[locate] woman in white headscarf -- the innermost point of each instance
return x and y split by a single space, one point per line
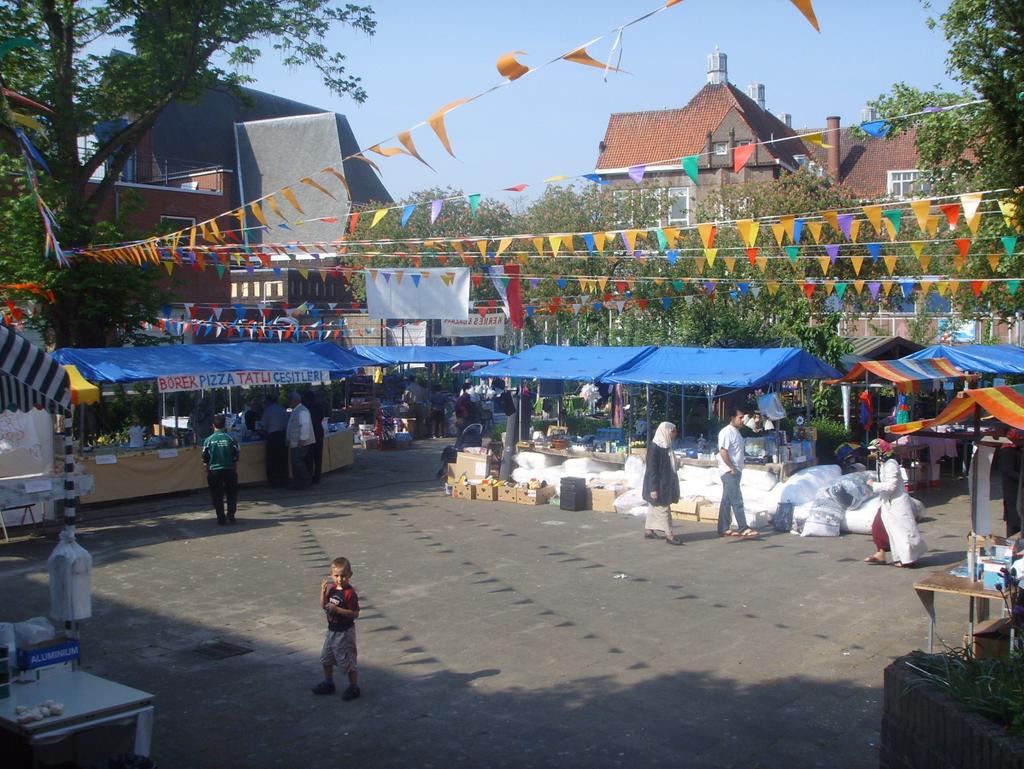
661 485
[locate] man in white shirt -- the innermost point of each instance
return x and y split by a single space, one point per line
730 465
300 438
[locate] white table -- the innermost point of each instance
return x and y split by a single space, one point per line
88 700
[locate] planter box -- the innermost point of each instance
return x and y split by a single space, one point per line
923 728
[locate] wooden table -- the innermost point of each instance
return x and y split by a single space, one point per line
944 582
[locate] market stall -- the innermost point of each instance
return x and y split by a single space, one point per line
976 358
159 466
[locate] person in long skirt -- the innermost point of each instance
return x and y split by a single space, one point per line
894 528
661 485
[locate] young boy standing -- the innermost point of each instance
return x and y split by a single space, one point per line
339 600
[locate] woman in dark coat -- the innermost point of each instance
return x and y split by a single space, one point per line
661 485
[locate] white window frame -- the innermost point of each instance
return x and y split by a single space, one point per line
720 148
179 222
897 186
673 193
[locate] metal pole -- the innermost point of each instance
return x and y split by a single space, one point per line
648 413
682 411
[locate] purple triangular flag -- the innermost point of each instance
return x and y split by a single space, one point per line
874 288
435 209
833 251
636 173
845 220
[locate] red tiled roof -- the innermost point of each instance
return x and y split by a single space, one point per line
636 138
865 161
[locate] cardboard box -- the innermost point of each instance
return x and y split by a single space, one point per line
486 493
507 494
603 500
687 505
50 653
474 466
992 639
463 491
680 516
535 496
708 512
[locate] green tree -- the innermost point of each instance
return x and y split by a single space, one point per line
179 50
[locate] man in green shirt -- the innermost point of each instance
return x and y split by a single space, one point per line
220 454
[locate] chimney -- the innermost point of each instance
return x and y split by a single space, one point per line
833 153
868 114
756 92
786 118
718 70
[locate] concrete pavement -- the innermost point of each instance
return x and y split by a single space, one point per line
492 635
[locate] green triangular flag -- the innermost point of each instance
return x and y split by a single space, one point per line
1009 243
690 167
1012 286
840 289
662 240
679 286
474 203
896 217
793 252
220 270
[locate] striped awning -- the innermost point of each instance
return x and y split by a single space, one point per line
905 374
29 376
1004 403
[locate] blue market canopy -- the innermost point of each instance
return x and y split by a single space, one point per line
29 376
393 356
977 358
566 363
139 364
722 367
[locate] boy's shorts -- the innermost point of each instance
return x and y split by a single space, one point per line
340 650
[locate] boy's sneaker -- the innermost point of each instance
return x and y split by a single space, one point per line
351 693
324 687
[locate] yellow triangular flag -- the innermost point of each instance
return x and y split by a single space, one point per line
959 262
858 286
815 230
630 237
921 209
857 262
926 262
556 243
855 229
671 234
926 286
748 229
779 231
816 138
969 202
710 254
169 266
567 243
824 262
436 121
973 222
762 263
933 224
730 263
789 222
502 245
887 287
832 217
602 282
481 245
379 214
1009 211
917 247
993 261
290 197
830 286
272 204
773 287
538 243
874 215
698 264
890 263
303 272
890 228
942 288
258 213
599 240
954 286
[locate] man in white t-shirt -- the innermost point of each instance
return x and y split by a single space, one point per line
730 465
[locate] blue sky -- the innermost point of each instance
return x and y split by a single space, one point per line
425 55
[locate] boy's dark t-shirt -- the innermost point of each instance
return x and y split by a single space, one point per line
346 598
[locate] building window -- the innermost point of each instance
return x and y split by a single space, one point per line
177 222
906 184
679 205
245 290
256 289
234 290
721 148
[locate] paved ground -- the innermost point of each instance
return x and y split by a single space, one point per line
492 635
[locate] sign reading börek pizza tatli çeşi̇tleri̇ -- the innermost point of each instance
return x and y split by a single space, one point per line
184 382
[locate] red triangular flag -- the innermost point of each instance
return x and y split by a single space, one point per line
752 255
741 155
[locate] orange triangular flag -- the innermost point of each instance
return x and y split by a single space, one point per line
730 263
538 243
629 236
317 186
671 234
824 262
762 263
272 204
858 286
874 215
815 230
290 197
857 262
740 156
698 264
747 229
921 209
973 222
258 213
887 286
890 228
993 261
502 245
926 286
890 263
807 9
509 67
855 229
580 56
707 234
436 121
599 240
832 217
779 231
481 245
933 225
405 137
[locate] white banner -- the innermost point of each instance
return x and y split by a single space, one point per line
415 294
488 325
184 382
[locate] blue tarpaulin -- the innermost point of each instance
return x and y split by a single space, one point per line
977 358
393 356
565 363
722 367
139 364
346 360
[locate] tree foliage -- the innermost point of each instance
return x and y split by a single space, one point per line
178 51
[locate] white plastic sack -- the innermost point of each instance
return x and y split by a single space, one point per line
625 502
757 480
579 466
803 485
70 567
770 406
613 476
858 519
694 474
635 469
522 475
640 511
762 501
33 631
918 507
533 459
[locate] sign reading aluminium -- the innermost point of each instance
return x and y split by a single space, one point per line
184 382
487 325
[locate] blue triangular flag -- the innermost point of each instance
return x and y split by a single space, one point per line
875 249
416 279
588 238
877 128
407 212
596 178
672 254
